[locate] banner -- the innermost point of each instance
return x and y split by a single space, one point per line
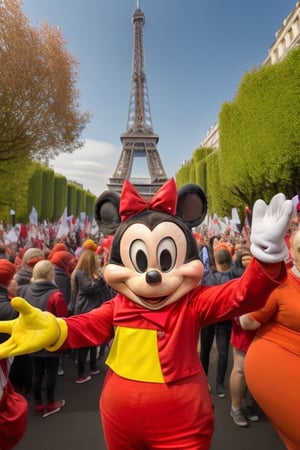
33 216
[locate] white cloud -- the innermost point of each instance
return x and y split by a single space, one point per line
92 165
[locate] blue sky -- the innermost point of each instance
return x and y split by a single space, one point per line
196 52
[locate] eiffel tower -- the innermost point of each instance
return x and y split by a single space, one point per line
139 140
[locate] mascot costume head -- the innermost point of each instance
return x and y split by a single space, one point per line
154 258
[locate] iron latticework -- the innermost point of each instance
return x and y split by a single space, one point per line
139 140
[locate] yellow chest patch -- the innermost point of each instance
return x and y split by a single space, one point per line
134 355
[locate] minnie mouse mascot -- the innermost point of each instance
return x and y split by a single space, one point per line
155 394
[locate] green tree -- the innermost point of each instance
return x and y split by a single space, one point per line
259 144
260 133
60 196
14 189
47 194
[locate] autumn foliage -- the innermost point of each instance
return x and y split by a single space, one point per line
39 108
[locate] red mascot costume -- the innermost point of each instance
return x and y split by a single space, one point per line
155 395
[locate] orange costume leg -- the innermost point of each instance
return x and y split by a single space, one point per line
137 415
272 375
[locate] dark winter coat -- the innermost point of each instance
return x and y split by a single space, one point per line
89 294
47 297
7 312
63 282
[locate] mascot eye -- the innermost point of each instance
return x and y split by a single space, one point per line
139 256
166 254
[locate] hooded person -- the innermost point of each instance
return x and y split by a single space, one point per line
30 257
21 370
62 262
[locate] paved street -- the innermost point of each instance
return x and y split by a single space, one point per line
78 426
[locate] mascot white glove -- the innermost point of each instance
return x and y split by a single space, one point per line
268 229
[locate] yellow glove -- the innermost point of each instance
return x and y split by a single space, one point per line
31 331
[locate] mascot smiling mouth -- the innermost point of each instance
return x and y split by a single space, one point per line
153 300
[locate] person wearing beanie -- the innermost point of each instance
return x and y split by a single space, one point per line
60 246
13 423
61 261
89 244
43 293
222 244
30 258
7 271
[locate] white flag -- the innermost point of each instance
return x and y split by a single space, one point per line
235 216
63 226
33 217
13 234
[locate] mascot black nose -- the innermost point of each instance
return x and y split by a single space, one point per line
153 277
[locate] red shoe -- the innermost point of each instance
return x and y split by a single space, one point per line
53 408
39 408
80 380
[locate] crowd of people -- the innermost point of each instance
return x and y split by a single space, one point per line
228 260
264 342
64 280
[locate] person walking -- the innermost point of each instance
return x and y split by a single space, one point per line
89 291
221 330
44 294
243 407
272 363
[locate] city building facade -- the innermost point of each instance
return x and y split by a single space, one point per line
286 38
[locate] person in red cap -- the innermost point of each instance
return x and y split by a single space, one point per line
7 271
61 261
58 247
12 423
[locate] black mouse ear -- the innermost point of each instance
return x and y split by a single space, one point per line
106 212
191 205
